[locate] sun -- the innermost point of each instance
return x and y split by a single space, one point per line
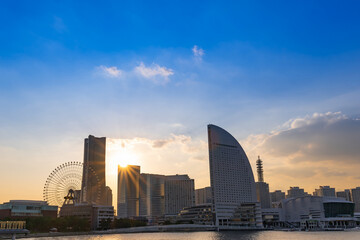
119 154
126 158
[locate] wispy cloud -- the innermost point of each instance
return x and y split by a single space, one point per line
59 25
198 52
155 73
112 72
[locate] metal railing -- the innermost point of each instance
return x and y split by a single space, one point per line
4 225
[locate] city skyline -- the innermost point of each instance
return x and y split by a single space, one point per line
151 77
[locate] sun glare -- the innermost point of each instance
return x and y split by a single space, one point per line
120 154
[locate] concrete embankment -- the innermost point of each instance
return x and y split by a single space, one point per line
146 229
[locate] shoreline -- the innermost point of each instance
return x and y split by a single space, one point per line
145 229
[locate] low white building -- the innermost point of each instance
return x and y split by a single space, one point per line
317 212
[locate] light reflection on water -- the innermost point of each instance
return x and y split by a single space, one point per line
260 235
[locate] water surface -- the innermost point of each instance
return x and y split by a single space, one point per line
258 235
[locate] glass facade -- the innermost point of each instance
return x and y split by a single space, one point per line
339 209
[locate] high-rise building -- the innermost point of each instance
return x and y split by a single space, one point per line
262 188
203 196
108 196
355 197
179 193
128 191
294 192
93 189
152 196
231 177
277 196
346 194
324 191
263 194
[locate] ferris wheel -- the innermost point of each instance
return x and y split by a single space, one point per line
63 179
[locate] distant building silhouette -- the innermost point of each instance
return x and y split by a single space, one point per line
152 196
295 192
108 196
203 196
128 191
262 188
93 189
232 182
277 196
324 191
355 196
346 194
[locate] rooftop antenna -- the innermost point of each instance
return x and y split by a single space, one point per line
260 171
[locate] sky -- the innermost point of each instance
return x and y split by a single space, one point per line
283 77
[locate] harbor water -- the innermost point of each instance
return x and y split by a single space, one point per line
226 235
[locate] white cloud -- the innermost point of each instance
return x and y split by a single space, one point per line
159 156
314 150
112 72
198 52
155 73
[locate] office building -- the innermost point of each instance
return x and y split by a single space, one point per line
179 193
108 196
128 191
355 197
324 191
232 179
295 192
93 189
277 196
346 194
262 188
27 208
95 214
152 196
203 196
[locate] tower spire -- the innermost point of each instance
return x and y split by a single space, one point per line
260 171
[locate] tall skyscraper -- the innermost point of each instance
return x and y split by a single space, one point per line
324 191
262 188
128 191
179 193
93 189
355 196
152 196
231 176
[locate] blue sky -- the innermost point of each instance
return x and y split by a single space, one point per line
131 69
